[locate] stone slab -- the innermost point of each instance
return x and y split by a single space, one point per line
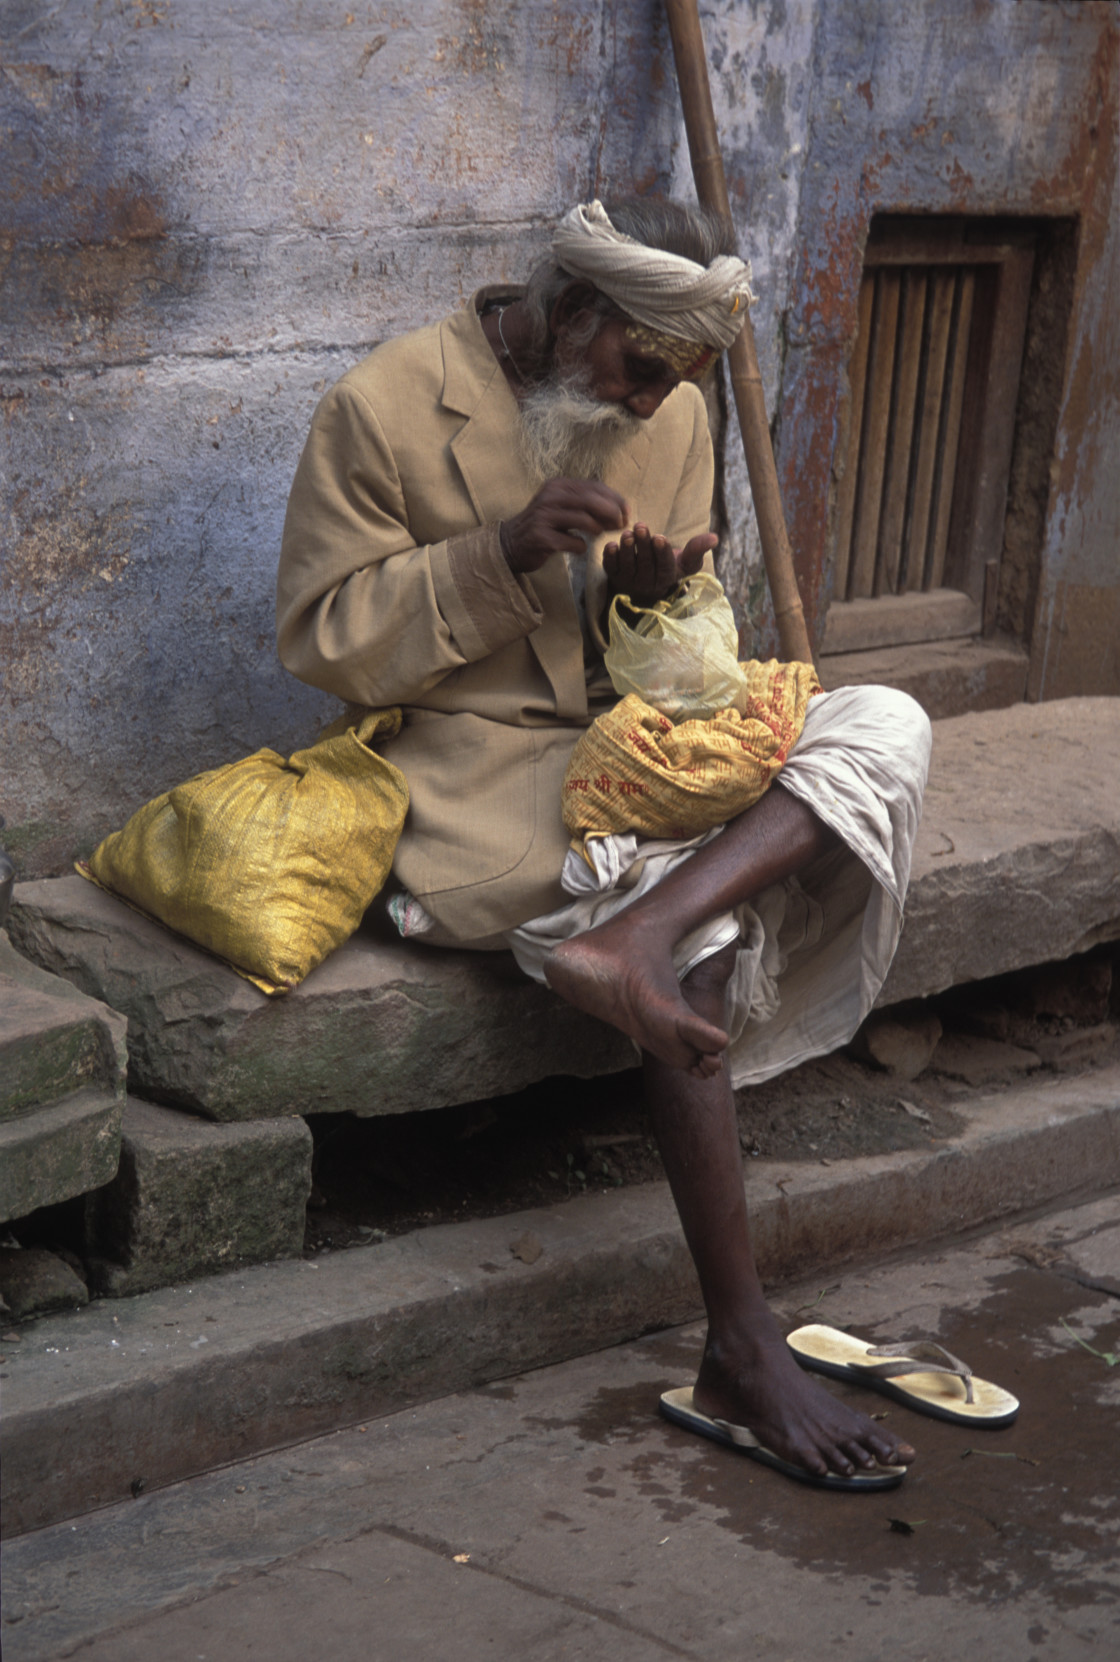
57 1152
178 1381
191 1198
44 1051
380 1028
899 620
54 1039
948 678
1017 860
36 1282
1018 855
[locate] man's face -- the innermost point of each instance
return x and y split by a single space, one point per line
620 366
598 393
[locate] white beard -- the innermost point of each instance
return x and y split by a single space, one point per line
565 432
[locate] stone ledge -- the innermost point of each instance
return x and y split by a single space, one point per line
243 1362
948 678
62 1086
193 1198
59 1151
1018 854
1016 863
54 1039
380 1028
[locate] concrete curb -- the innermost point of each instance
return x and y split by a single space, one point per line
148 1390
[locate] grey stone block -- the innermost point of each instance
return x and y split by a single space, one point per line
53 1153
44 1051
380 1028
1018 855
191 1198
62 1087
34 1282
53 1038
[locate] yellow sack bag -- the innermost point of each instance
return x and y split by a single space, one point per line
633 770
682 654
268 863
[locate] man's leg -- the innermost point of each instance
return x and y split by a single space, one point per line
747 1375
623 971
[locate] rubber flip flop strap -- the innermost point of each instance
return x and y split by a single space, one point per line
887 1477
742 1438
936 1360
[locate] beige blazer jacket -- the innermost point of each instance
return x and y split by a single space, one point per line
393 590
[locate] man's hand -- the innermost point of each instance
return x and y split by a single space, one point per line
562 514
648 567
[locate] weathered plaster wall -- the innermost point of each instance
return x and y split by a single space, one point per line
990 108
760 64
208 212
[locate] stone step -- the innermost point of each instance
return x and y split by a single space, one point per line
193 1198
62 1087
133 1393
53 1039
1015 864
57 1152
947 677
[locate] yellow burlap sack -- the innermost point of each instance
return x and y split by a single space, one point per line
633 770
268 863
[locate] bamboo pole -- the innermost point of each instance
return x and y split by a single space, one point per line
742 358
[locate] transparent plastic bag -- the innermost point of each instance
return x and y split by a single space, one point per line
682 655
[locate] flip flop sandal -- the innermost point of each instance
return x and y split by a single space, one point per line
937 1383
677 1406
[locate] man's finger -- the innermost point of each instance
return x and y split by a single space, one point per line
608 507
641 563
568 520
696 548
665 564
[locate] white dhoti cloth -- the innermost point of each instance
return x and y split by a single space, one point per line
814 949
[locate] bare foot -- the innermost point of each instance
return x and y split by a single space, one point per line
793 1416
614 973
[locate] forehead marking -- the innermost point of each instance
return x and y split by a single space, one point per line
687 359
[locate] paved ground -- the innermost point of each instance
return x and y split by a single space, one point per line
554 1516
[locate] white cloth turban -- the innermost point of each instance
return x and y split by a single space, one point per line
663 291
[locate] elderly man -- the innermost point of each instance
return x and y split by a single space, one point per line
469 499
